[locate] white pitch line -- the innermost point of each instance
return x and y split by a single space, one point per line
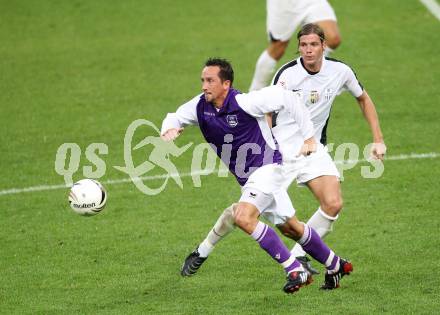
431 155
432 7
11 191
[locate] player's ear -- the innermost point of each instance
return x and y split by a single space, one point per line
227 84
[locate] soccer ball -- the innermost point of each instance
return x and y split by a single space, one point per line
87 197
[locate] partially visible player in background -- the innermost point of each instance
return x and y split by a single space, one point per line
319 80
282 20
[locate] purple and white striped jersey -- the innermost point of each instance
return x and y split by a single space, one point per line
238 131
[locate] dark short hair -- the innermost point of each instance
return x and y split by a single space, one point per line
226 71
311 28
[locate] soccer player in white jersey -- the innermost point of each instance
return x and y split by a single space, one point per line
283 18
318 80
236 123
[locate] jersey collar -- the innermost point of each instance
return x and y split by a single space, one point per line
311 72
225 106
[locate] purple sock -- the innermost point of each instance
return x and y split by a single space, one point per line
272 244
315 247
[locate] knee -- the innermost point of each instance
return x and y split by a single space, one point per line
333 206
277 49
231 209
244 220
333 40
228 218
289 231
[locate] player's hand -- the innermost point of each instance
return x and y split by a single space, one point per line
308 147
378 150
171 134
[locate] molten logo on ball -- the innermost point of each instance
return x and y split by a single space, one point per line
87 197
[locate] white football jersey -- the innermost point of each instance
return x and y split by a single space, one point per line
318 90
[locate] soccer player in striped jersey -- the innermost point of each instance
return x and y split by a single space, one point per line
235 125
283 18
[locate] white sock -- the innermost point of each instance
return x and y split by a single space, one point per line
264 70
223 226
322 223
328 51
205 248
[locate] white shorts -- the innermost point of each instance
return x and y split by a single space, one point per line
317 164
264 190
284 16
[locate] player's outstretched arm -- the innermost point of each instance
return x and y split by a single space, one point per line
262 102
378 149
274 98
171 134
172 125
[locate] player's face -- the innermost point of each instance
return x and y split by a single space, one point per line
214 89
311 49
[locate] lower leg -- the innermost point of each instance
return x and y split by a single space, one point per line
246 218
315 247
327 190
223 226
272 244
322 223
266 64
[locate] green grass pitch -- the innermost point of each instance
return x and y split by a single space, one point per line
82 71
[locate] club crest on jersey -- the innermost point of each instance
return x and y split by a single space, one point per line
314 97
232 120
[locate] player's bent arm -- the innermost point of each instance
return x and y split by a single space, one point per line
275 81
263 101
269 120
370 114
308 147
299 113
274 98
174 123
369 110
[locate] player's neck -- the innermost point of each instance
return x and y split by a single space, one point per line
219 101
312 68
218 104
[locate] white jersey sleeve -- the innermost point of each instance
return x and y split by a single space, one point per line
352 84
274 98
301 115
263 101
185 115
